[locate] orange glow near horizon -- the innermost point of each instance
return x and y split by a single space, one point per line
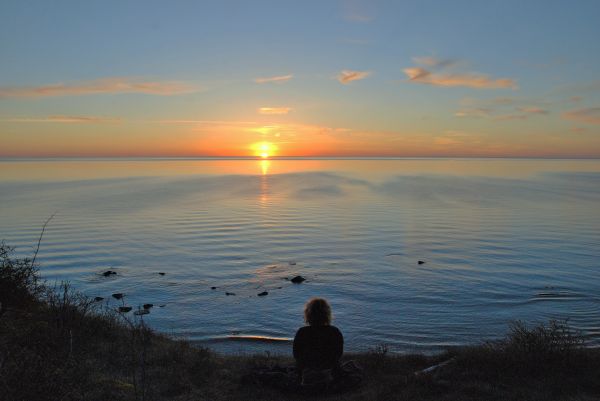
276 139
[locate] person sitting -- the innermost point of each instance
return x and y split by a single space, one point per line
318 348
319 345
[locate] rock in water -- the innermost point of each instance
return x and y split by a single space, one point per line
213 288
262 294
148 306
292 263
298 279
161 273
98 299
230 293
118 295
420 262
141 312
125 309
108 273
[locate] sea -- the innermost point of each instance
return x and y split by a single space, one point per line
415 255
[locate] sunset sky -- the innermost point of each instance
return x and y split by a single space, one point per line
300 78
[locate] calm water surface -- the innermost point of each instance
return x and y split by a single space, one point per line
501 240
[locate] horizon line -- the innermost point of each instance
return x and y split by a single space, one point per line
258 158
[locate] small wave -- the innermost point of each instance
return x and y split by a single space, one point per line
251 338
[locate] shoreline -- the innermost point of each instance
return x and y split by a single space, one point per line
56 343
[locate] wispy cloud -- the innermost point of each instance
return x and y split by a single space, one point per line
492 113
589 115
279 79
434 62
469 80
63 119
474 112
99 86
533 110
434 71
347 76
274 110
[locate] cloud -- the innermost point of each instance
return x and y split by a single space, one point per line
469 80
442 72
533 110
434 62
274 110
590 115
280 79
100 86
474 112
347 76
64 119
492 113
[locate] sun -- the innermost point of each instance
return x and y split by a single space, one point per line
264 149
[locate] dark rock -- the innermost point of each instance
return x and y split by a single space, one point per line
148 306
162 306
230 293
262 294
298 279
125 309
108 273
292 263
118 295
161 273
420 262
141 312
213 288
286 278
98 299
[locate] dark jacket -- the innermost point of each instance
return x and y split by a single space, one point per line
318 347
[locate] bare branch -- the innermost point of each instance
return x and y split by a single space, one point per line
40 239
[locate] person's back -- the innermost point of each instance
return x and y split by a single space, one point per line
318 345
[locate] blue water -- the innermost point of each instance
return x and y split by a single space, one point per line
501 240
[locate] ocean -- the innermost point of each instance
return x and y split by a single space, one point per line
500 240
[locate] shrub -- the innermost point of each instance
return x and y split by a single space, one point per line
535 351
19 285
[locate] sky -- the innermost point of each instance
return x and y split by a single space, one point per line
322 78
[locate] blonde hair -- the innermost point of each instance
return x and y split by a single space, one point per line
317 312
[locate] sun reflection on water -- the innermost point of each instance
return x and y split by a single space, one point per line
264 182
